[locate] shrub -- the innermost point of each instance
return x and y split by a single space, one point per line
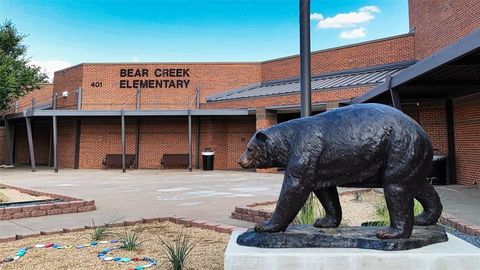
100 232
381 211
131 240
310 211
357 197
178 251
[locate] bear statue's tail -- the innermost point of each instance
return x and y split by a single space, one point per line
432 207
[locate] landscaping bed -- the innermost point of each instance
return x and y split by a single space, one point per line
16 202
357 206
206 254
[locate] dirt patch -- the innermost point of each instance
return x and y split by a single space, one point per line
207 254
356 208
9 195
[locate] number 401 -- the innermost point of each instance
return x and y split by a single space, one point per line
96 84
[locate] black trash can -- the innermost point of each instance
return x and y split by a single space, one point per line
208 157
438 172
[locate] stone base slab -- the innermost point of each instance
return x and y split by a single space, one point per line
455 254
308 236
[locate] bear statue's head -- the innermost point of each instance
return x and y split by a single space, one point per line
257 153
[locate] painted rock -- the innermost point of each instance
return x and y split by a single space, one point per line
94 243
108 258
116 259
125 260
147 265
40 246
79 246
8 259
140 267
114 241
16 258
103 242
49 245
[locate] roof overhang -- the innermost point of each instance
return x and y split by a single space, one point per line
126 113
450 72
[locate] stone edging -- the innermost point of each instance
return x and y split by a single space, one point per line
202 224
68 206
459 224
247 214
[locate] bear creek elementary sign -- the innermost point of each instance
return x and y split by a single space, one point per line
133 78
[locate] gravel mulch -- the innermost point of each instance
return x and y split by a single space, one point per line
207 254
356 209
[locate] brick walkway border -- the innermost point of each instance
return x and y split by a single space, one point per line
246 213
68 206
202 224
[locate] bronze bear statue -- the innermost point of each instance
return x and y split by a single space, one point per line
357 145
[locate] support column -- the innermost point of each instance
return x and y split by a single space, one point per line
137 96
189 141
78 132
79 98
9 142
452 161
30 143
55 152
124 169
393 94
305 67
137 142
197 130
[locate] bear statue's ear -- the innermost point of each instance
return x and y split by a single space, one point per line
261 136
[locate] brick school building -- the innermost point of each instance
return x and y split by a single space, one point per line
150 110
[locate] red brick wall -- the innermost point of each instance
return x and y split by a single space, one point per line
432 117
439 23
3 146
21 145
226 136
66 143
41 96
210 77
68 80
390 50
467 139
41 143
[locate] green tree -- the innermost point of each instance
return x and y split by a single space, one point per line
17 76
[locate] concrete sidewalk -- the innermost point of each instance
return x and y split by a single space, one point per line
139 194
210 196
462 202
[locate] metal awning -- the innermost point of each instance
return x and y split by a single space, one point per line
451 72
341 79
127 113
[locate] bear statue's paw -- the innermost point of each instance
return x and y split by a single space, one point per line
327 222
267 226
392 233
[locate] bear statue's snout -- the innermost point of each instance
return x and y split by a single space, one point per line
244 161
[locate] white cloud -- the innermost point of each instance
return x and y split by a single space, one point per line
346 20
354 33
50 66
135 59
316 16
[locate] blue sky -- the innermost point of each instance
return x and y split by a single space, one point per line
63 33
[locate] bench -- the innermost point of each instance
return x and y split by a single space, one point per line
175 161
115 161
